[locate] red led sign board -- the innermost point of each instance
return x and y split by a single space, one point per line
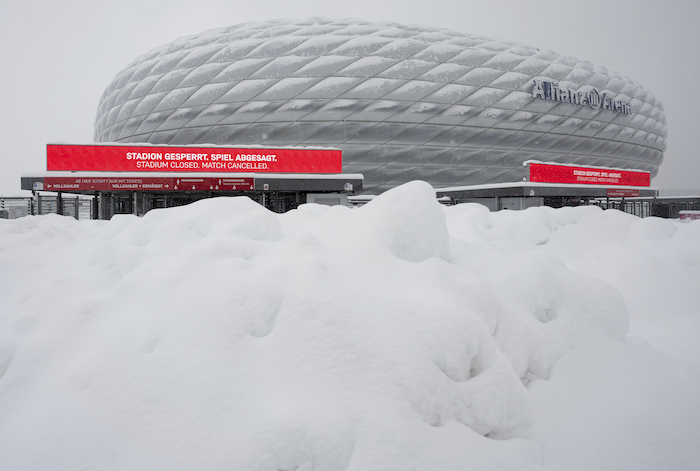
147 184
190 159
551 173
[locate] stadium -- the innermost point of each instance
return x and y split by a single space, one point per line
288 112
402 102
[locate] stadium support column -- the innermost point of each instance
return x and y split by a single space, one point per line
101 209
95 206
59 203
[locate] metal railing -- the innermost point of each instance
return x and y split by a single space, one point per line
637 208
663 207
74 206
80 208
15 207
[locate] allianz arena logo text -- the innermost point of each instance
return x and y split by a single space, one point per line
548 90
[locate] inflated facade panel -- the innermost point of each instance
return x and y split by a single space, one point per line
403 102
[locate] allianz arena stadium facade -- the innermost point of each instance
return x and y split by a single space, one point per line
403 102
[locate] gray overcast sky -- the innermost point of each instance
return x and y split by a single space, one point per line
58 57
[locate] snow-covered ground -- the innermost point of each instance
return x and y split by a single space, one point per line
399 336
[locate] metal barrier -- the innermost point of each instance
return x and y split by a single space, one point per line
74 206
668 207
635 207
15 207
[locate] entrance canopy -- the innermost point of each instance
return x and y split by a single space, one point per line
137 178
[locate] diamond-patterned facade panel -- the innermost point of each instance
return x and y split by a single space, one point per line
402 102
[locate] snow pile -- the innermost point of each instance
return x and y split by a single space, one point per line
401 335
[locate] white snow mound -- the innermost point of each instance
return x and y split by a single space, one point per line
401 335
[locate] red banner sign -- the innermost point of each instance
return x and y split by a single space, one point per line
190 159
147 184
552 173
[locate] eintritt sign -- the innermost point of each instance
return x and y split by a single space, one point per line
594 98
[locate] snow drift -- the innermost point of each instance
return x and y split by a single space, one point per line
401 335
